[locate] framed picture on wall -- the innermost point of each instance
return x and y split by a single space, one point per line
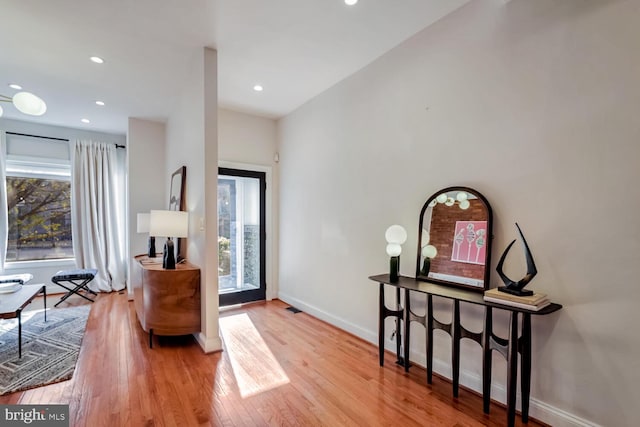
176 196
177 203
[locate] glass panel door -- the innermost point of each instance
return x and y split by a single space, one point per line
241 236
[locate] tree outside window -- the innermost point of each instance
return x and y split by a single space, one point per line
39 218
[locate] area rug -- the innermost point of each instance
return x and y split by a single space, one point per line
49 349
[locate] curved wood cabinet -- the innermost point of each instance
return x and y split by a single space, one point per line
167 301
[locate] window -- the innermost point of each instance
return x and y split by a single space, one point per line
39 215
38 204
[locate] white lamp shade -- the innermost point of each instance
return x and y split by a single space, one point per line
143 222
464 204
394 249
28 103
442 198
462 196
396 234
169 223
429 251
449 201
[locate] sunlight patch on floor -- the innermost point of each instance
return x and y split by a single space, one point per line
254 366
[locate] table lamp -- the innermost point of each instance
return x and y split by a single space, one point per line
396 235
143 227
169 224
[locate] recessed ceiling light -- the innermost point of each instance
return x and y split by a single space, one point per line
97 59
85 121
350 2
15 86
258 88
100 103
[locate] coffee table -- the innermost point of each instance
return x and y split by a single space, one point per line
11 306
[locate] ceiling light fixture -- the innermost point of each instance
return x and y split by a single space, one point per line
85 121
97 60
26 103
15 86
100 103
258 88
350 2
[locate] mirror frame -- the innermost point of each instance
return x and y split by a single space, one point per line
487 264
177 202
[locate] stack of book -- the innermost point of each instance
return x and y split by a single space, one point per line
533 302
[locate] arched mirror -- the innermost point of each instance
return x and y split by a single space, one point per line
454 239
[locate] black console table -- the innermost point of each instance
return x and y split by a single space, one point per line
509 347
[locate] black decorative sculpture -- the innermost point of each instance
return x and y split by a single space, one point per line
516 288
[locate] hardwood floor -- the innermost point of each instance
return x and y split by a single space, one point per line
278 368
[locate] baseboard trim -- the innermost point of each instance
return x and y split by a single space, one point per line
208 344
539 410
356 330
557 417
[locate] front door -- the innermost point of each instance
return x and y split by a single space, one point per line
241 236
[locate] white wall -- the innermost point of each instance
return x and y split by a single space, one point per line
246 138
250 142
43 270
192 141
534 104
146 180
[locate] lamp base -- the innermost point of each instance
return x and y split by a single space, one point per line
169 259
517 292
152 247
394 266
426 266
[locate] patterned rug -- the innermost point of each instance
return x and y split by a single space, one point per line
49 349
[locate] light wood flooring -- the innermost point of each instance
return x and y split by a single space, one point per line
278 368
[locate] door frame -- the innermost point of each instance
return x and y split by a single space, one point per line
270 241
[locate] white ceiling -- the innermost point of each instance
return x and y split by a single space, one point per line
296 49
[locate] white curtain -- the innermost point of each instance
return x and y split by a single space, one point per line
4 224
97 209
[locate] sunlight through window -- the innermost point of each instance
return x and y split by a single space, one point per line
254 366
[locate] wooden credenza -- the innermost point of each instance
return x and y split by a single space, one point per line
167 301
